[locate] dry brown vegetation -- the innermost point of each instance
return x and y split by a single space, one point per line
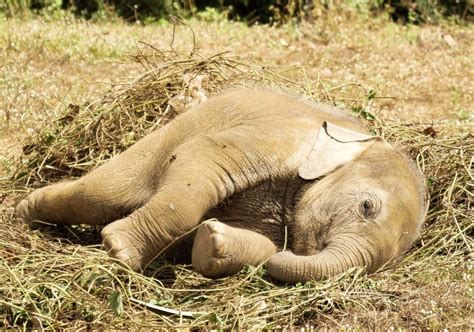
413 84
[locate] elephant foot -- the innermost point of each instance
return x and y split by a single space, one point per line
120 243
216 250
22 212
46 206
32 210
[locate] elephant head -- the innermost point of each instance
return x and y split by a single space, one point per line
364 205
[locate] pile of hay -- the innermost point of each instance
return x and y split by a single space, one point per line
59 278
84 136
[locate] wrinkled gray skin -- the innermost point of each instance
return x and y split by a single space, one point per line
259 162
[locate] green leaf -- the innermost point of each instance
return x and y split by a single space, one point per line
115 302
360 111
371 94
214 318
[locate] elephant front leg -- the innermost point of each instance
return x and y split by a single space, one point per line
221 250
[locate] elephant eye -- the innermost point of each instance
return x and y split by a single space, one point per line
369 207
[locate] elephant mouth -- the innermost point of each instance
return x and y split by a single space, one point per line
311 240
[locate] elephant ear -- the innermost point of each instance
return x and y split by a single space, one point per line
333 147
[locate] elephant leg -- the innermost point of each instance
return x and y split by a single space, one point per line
221 250
97 198
111 191
203 172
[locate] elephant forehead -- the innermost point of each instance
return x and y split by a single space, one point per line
384 159
399 208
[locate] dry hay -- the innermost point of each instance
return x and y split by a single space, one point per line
59 278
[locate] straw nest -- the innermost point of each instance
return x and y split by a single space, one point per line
60 278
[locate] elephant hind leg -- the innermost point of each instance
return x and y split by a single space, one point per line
116 188
104 195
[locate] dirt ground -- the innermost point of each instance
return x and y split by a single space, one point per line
421 73
417 71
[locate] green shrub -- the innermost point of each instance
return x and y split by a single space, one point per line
264 11
424 11
85 8
131 10
248 10
15 7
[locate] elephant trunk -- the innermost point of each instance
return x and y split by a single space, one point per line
340 255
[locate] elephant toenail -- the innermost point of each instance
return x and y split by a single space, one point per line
123 257
112 242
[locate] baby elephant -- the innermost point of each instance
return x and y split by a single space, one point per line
277 172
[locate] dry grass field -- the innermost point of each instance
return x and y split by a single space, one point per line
60 80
